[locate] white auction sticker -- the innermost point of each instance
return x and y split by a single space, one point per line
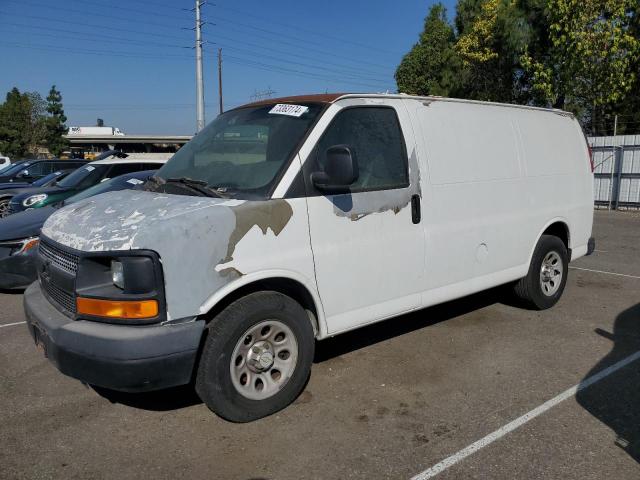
134 181
89 168
290 110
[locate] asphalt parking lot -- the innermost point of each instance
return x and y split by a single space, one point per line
388 401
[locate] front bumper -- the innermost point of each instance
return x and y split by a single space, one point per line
18 271
119 357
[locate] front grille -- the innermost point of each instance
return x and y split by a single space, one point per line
52 255
64 299
64 260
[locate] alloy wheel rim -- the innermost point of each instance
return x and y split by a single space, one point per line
4 208
551 272
263 360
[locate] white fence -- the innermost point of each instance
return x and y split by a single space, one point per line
617 172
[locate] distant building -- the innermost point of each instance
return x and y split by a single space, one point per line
87 142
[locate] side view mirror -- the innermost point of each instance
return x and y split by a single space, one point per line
340 170
23 174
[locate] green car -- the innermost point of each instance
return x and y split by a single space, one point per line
81 179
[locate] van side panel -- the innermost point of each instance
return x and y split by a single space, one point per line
473 212
559 179
496 177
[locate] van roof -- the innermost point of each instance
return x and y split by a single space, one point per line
329 98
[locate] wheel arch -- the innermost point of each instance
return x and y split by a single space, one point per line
287 283
558 227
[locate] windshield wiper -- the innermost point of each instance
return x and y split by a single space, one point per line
199 186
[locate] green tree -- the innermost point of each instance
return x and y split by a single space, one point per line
591 58
55 123
431 66
15 124
491 37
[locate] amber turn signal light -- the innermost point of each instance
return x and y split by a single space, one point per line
117 309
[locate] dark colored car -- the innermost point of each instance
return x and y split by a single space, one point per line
19 233
18 188
28 171
81 179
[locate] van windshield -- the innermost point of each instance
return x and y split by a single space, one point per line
240 154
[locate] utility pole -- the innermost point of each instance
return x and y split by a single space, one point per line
615 125
199 81
220 78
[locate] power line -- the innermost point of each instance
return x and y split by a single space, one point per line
299 44
230 59
131 10
296 55
98 37
306 30
84 12
96 25
351 60
106 39
307 65
83 51
269 67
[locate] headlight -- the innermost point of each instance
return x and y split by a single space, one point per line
117 274
126 287
33 199
21 246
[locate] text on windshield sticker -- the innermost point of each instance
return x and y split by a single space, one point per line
290 110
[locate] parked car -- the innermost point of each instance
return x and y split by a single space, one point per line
7 193
84 177
28 171
285 222
5 162
19 233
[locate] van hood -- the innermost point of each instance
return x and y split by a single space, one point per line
128 219
195 237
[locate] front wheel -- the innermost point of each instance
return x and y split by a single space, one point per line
257 357
547 276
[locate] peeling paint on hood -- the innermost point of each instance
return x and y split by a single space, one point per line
195 237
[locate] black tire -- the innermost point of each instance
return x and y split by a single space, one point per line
214 382
530 289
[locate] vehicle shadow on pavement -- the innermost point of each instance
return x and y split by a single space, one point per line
185 396
16 291
157 401
615 400
394 327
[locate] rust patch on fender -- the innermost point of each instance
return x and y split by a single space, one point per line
270 214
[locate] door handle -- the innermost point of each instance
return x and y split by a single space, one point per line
415 209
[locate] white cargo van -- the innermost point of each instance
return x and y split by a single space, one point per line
291 220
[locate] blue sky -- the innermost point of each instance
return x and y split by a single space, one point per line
130 62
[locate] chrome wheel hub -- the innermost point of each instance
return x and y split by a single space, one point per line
551 272
260 357
263 360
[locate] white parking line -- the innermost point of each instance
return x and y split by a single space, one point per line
518 422
606 273
12 324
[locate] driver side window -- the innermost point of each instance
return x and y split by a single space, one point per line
374 136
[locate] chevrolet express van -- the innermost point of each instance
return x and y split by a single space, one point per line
288 221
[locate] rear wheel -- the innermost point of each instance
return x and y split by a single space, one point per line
257 357
4 207
544 284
